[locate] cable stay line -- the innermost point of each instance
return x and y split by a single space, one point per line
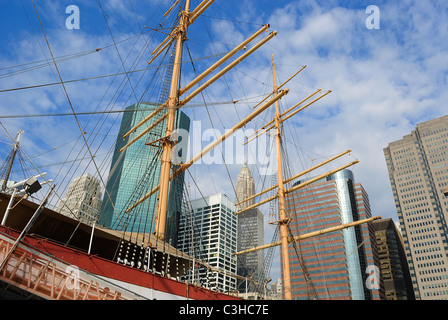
102 76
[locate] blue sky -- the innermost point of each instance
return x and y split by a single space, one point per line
384 81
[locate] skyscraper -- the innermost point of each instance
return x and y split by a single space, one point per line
245 188
251 265
334 265
82 201
418 173
394 266
209 233
136 171
250 233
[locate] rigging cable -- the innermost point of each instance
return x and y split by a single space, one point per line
103 76
105 120
228 88
34 166
296 244
69 101
150 168
116 48
158 135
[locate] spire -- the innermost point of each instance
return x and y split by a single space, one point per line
245 187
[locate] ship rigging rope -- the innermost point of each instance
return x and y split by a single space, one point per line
136 213
213 127
70 103
44 63
32 164
133 216
103 76
212 124
110 104
310 222
125 73
142 96
30 66
116 48
211 121
265 263
61 114
230 92
296 244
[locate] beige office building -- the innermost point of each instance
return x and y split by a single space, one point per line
418 173
82 201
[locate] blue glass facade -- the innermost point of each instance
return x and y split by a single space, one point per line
136 171
344 183
331 266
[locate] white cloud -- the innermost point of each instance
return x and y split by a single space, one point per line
379 91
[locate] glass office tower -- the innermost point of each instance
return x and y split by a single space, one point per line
136 171
334 265
394 265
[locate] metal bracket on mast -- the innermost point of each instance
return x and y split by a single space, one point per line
283 116
156 143
284 221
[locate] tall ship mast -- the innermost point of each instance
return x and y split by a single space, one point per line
47 255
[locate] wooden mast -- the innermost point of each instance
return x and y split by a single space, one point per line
213 144
167 144
283 221
174 103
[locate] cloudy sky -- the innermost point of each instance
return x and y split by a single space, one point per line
386 76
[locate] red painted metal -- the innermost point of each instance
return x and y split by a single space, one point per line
110 269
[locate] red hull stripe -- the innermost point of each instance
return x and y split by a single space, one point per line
120 272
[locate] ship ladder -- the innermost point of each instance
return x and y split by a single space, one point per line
34 274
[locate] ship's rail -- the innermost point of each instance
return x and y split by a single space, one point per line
48 278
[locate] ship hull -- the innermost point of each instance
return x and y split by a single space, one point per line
42 250
77 270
